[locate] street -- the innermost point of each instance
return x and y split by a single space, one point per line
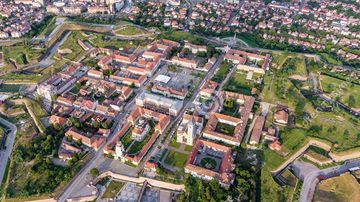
4 155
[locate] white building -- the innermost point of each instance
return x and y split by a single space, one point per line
189 128
159 103
119 151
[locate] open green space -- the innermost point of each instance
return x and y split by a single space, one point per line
176 159
188 148
103 41
72 44
237 83
10 88
294 66
280 90
341 188
126 139
225 128
278 59
129 31
180 36
340 90
22 54
112 189
49 26
173 142
21 78
230 108
317 153
208 163
221 73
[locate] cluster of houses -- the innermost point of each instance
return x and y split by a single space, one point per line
17 19
72 7
295 23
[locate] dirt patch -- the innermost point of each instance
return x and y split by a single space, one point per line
341 188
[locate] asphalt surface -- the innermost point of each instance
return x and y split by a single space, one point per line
4 155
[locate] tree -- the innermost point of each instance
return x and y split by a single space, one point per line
94 172
351 101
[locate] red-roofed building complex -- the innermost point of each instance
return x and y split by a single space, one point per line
209 161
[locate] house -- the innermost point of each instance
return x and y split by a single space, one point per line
281 116
257 130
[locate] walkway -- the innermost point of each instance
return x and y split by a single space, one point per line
141 180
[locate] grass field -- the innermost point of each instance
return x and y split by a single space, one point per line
23 78
173 142
113 189
101 41
221 72
21 54
9 88
238 83
278 59
176 159
281 90
341 188
137 146
341 90
129 31
72 44
180 36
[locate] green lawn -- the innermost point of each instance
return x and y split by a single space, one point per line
188 148
129 31
24 78
101 41
225 128
278 59
112 189
176 159
72 44
50 26
346 92
137 146
221 72
280 90
180 36
238 83
9 88
296 64
173 142
126 139
21 54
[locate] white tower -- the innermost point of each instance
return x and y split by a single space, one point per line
119 150
191 132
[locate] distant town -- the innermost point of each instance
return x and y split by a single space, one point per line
179 100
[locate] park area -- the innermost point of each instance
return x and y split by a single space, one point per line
221 73
341 188
176 159
129 31
239 83
343 91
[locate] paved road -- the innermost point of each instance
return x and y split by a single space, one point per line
311 180
4 155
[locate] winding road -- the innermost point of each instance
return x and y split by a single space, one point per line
4 155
